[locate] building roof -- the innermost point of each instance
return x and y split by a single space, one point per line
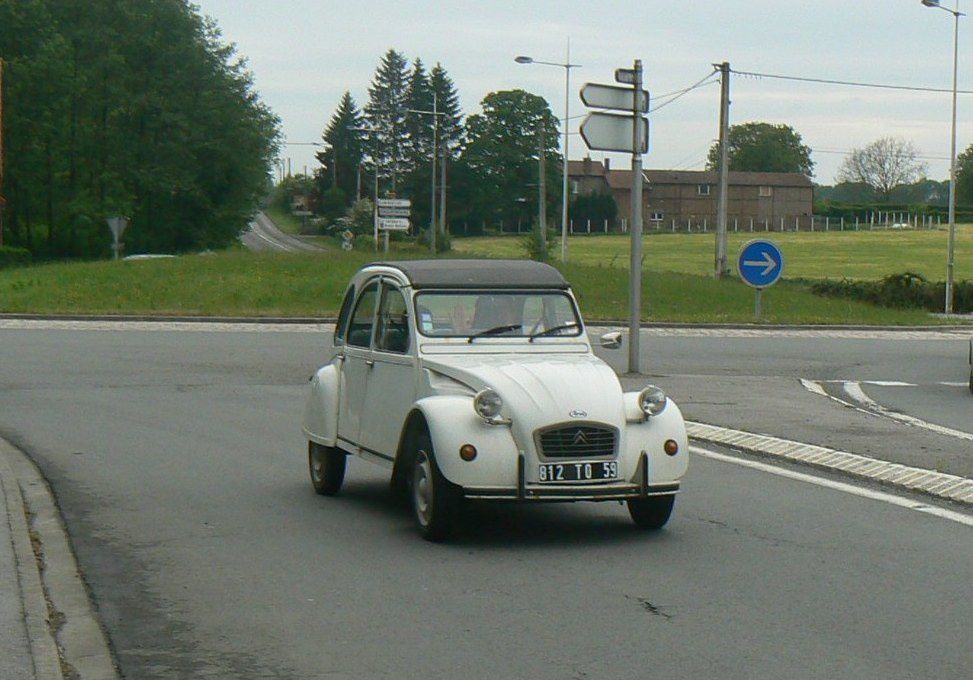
478 273
622 179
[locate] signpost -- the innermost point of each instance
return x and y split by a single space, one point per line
627 133
391 214
117 226
760 265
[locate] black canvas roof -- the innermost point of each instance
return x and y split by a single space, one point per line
479 273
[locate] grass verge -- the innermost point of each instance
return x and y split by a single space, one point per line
270 284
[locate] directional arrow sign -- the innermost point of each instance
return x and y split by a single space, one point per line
393 223
611 132
613 97
393 212
394 203
760 263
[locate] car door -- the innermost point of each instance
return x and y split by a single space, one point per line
356 365
391 388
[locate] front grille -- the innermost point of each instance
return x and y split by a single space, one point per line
575 441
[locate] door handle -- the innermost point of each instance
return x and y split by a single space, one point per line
369 363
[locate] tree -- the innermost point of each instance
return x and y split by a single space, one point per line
134 107
496 177
385 115
343 147
451 122
883 165
964 176
764 147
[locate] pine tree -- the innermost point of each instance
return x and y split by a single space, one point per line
418 126
451 122
343 147
385 115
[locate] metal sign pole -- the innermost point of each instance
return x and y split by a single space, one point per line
635 270
757 308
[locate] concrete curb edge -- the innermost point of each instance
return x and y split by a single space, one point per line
939 485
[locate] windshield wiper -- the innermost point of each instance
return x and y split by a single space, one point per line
555 329
494 331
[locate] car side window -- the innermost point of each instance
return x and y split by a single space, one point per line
393 322
360 328
342 325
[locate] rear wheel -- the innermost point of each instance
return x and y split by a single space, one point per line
652 512
435 501
327 467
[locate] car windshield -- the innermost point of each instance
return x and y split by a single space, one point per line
496 313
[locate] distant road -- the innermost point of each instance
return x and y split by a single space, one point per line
264 235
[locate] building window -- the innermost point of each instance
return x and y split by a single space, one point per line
766 191
656 217
703 189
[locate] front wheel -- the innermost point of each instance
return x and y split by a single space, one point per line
652 512
434 500
327 467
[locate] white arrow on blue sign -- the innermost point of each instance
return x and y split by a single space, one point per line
760 263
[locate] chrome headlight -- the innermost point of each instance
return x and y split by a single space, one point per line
652 401
487 404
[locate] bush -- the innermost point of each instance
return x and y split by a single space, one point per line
531 244
906 290
14 257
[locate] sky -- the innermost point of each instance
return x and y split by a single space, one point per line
304 54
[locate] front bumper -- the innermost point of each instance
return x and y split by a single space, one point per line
638 488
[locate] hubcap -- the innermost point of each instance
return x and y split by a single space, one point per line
422 488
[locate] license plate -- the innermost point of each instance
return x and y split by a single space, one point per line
577 472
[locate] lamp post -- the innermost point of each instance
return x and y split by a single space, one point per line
567 66
951 242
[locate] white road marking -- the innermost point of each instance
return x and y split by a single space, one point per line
854 390
892 499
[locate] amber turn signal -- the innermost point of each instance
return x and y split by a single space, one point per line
671 447
467 452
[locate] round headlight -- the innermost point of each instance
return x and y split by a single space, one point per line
652 400
487 404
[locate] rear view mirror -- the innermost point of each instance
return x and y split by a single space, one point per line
611 340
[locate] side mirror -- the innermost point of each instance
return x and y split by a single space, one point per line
611 340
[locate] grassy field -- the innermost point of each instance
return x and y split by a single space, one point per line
262 284
854 255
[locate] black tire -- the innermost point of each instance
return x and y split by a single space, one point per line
652 512
327 467
971 380
435 501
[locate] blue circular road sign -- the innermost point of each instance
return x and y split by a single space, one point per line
760 263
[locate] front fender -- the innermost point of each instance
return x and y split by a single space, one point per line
453 423
321 409
650 435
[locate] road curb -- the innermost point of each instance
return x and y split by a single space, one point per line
903 477
65 633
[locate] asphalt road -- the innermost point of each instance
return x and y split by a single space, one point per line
179 465
263 235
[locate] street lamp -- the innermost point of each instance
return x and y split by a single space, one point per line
951 242
567 66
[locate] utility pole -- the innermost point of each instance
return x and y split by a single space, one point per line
442 191
435 113
541 194
2 159
635 266
721 268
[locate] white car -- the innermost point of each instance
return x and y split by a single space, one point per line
475 379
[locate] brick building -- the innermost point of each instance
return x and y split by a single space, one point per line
687 197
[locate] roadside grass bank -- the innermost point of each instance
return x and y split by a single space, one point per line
867 255
237 283
286 222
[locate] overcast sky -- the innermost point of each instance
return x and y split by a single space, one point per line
305 53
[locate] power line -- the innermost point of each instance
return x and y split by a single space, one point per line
850 83
841 152
674 96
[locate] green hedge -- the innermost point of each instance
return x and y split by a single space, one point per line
906 290
14 257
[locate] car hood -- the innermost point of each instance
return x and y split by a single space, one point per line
541 390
